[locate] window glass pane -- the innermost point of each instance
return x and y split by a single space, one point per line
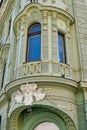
34 48
34 43
61 49
35 28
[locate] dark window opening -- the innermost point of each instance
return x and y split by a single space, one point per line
1 2
3 76
33 1
61 48
9 28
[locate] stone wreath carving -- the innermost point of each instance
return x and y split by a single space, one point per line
27 94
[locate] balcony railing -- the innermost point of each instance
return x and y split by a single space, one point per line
33 0
43 68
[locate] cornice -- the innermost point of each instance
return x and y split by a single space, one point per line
42 79
83 85
24 12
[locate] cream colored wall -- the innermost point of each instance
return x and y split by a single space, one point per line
81 33
52 20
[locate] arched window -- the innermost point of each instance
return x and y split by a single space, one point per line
61 48
34 43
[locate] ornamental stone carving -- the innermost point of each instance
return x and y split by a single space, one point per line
45 22
26 95
60 102
66 106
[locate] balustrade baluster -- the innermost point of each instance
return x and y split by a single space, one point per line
33 1
35 68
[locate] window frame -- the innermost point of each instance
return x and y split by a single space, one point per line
32 34
64 48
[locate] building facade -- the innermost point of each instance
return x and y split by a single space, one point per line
43 64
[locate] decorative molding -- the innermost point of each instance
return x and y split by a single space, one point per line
8 10
13 124
4 49
45 19
67 106
54 21
27 94
14 119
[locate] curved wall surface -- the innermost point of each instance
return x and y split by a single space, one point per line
43 75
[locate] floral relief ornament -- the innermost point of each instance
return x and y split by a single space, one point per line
28 93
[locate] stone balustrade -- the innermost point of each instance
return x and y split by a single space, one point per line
33 0
32 68
44 68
